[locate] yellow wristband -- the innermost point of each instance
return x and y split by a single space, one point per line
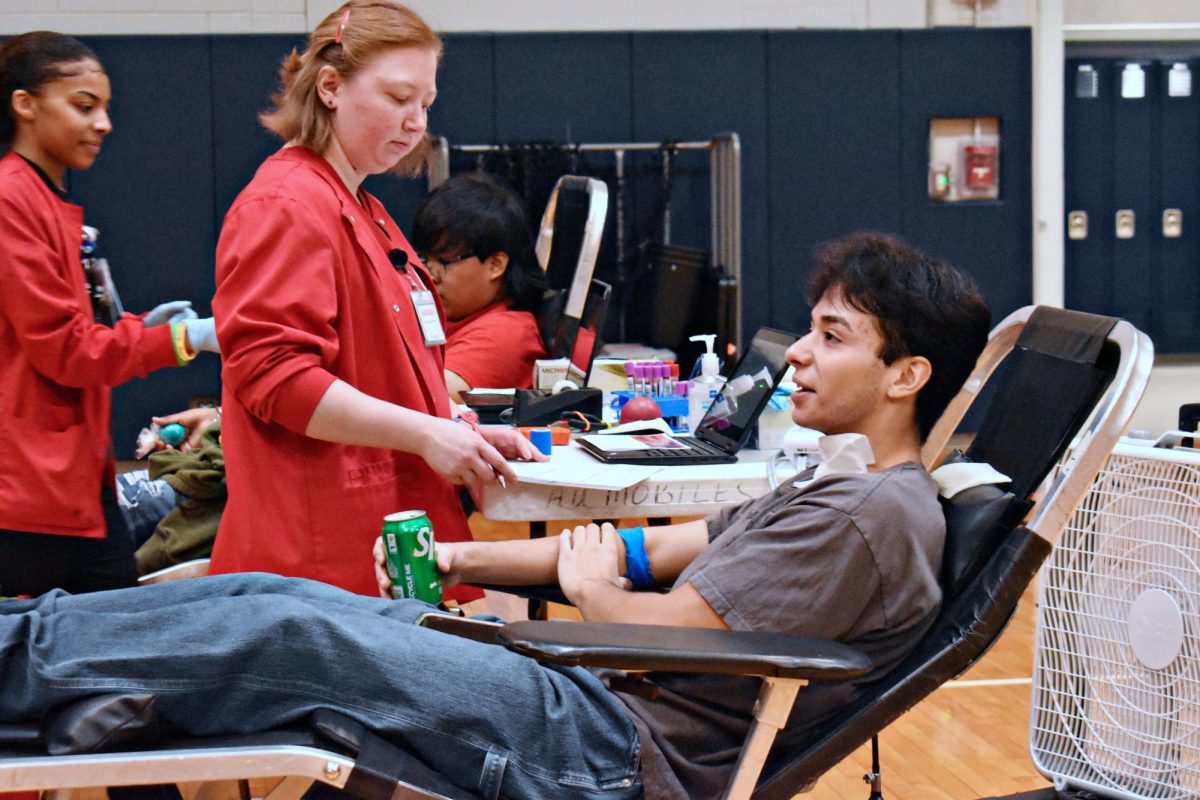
179 343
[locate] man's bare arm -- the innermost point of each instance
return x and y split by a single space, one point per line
590 563
670 548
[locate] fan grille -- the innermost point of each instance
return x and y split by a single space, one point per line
1101 718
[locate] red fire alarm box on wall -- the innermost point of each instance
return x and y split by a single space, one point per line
981 170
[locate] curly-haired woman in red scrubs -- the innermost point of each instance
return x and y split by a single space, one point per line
335 409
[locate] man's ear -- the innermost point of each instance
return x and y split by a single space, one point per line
22 105
909 376
495 265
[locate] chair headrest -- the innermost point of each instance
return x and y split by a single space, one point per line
549 315
977 518
1044 392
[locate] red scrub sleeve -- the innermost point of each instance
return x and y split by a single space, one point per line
44 301
276 307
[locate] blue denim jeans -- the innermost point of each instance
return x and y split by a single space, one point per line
242 653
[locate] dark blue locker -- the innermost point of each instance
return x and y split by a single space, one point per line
959 73
1135 159
1177 310
150 194
1142 155
834 150
1087 123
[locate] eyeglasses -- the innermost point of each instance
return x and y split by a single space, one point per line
439 266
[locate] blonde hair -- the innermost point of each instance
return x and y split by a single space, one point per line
346 40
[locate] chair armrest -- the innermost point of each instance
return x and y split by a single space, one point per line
643 648
477 630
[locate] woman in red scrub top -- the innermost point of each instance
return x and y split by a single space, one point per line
61 346
335 409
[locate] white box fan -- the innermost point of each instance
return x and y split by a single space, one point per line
1116 682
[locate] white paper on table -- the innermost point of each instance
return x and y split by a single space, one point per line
570 466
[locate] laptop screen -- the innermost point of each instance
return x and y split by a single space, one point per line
729 419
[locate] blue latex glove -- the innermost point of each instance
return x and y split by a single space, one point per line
202 334
174 311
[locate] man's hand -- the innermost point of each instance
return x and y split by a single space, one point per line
588 557
511 444
447 563
447 569
194 420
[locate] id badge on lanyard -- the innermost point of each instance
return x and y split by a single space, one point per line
427 316
422 298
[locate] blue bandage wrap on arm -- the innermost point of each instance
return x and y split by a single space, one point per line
637 563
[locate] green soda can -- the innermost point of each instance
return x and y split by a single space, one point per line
411 564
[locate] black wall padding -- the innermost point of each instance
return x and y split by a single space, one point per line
690 86
834 132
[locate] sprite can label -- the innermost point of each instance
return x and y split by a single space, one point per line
408 550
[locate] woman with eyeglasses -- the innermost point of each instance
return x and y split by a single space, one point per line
335 410
474 233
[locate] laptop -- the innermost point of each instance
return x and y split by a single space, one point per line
726 425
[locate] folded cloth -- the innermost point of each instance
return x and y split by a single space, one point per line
188 530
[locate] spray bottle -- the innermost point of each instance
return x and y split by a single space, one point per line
704 388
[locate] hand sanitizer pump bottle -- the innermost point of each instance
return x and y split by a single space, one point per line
704 388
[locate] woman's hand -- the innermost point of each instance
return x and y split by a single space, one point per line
462 456
202 335
174 311
195 420
511 444
587 555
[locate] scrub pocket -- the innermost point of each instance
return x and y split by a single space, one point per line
50 478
